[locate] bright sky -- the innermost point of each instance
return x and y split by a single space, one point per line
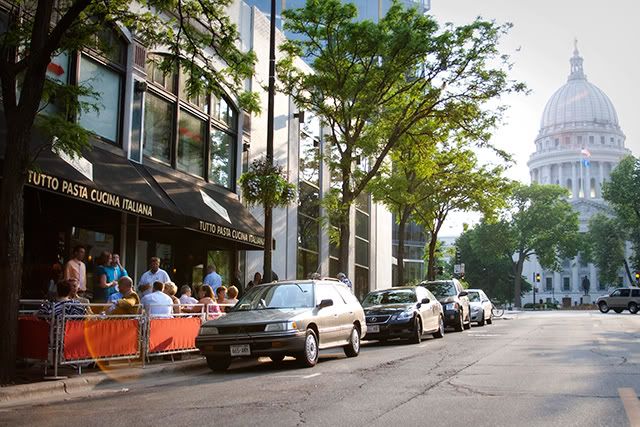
540 44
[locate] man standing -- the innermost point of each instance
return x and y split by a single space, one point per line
75 268
212 278
154 274
157 303
116 271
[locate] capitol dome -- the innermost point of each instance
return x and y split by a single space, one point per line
578 103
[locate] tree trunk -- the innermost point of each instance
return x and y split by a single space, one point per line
345 234
268 244
517 282
402 225
433 242
12 244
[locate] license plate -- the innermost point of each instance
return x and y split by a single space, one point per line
240 350
374 329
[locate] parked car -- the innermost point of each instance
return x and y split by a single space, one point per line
291 318
403 312
480 306
454 300
619 300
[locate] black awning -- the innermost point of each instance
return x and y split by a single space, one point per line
101 178
211 212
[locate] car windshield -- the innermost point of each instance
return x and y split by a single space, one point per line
441 289
396 296
281 295
474 296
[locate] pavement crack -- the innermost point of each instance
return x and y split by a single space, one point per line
623 359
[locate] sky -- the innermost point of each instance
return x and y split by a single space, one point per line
540 45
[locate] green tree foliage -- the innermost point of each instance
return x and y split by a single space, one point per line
606 246
373 82
622 191
266 185
197 34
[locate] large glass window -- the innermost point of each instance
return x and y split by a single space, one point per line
206 137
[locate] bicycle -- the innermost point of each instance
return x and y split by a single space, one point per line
496 311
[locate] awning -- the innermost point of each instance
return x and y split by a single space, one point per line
209 211
102 178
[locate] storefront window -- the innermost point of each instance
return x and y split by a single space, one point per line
158 120
221 154
222 261
191 133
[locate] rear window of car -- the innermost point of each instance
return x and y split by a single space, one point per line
635 293
441 289
396 296
474 296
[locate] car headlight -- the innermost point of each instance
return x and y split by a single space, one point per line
475 309
405 315
280 327
210 330
451 306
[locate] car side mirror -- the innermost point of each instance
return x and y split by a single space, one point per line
463 294
325 303
425 301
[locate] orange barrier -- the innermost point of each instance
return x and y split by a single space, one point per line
173 334
101 338
33 338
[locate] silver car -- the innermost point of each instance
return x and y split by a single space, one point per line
295 318
480 306
619 300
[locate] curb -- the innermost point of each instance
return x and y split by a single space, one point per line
86 383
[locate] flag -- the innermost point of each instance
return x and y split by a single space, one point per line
586 163
585 152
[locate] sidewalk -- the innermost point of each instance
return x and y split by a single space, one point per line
35 387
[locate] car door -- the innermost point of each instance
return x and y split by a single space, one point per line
486 304
353 310
618 298
327 318
428 311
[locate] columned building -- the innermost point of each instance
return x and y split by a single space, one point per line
579 143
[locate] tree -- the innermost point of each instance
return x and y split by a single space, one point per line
622 191
458 183
606 247
482 249
539 221
197 33
372 82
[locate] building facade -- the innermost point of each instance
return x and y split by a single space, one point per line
579 143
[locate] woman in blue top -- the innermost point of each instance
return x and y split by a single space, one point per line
105 280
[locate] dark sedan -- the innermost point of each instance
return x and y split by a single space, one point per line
403 312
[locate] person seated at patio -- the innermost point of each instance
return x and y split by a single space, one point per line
208 300
185 295
130 302
62 303
221 295
157 303
144 290
170 289
232 295
74 295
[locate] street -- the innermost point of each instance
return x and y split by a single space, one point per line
532 368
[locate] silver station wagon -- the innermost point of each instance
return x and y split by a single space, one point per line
296 318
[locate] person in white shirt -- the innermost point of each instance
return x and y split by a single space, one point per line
157 303
185 296
154 274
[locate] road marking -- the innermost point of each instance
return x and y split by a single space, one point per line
311 376
422 345
631 405
485 335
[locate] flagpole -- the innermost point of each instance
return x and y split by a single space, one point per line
581 178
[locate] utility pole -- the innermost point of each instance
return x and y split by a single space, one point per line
268 219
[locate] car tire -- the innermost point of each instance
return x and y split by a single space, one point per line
618 310
309 356
460 327
490 319
603 306
481 321
353 348
633 308
440 332
218 364
468 324
416 336
277 358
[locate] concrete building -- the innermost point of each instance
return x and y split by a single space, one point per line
579 143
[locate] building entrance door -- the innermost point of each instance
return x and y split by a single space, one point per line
566 302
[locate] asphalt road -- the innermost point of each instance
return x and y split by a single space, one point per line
535 369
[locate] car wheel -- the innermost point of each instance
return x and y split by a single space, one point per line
218 364
309 356
468 324
459 327
276 358
481 321
618 310
604 307
633 308
490 319
416 336
353 348
440 332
